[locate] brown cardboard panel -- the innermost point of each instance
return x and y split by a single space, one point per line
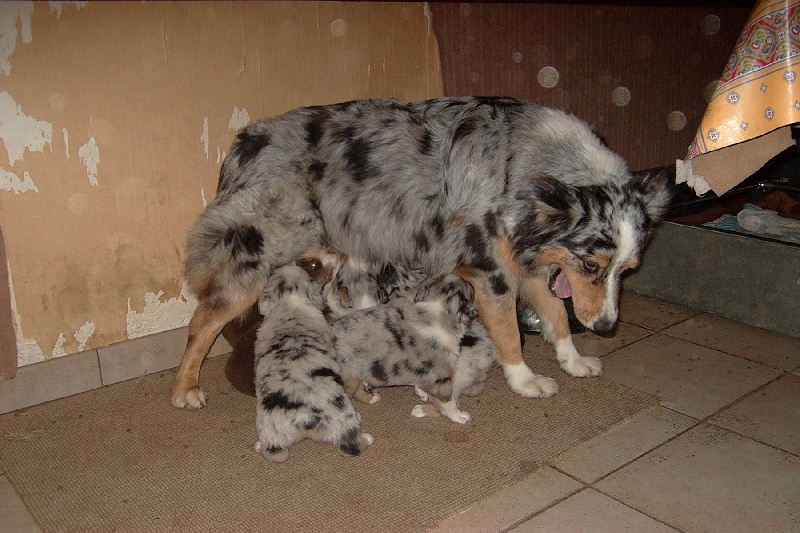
725 168
143 100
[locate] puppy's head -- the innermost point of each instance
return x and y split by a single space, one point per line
289 282
320 263
582 239
452 293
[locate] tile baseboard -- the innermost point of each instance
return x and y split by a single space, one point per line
92 369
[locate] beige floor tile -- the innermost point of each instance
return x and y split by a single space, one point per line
513 504
691 379
710 479
590 512
622 444
729 336
770 415
588 343
14 517
651 313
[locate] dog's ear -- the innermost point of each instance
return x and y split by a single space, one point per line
653 188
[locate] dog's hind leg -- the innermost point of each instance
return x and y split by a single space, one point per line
208 320
556 330
498 314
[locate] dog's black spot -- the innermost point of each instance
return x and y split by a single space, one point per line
379 371
396 369
443 380
317 170
338 401
351 443
244 240
422 242
397 334
278 400
468 341
248 145
476 243
498 283
437 224
465 128
357 152
315 127
426 142
313 422
490 223
324 372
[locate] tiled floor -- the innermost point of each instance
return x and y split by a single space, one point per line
721 453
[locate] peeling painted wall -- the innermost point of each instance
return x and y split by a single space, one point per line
115 118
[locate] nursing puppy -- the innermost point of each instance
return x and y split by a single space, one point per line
357 285
523 201
299 389
428 338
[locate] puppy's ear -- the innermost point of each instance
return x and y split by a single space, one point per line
266 303
314 294
653 188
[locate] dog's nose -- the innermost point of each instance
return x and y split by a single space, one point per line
604 325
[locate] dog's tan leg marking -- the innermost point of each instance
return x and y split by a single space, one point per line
205 325
354 388
556 330
498 314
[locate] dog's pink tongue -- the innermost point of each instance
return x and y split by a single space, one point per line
561 286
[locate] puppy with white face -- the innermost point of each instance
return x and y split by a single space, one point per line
427 337
299 389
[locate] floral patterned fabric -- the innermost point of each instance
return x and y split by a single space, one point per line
758 91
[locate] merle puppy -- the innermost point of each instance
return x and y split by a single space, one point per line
429 339
299 389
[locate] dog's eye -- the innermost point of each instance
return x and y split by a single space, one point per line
590 267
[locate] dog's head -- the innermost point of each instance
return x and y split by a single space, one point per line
584 237
320 263
290 281
454 294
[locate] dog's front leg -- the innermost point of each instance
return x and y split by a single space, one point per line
498 313
556 330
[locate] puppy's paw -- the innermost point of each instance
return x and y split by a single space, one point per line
422 394
376 397
523 381
459 417
194 398
583 367
424 410
368 439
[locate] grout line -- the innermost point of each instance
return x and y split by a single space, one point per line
521 521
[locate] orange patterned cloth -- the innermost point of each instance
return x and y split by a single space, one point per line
759 90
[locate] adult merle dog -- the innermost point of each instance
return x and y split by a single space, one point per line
523 201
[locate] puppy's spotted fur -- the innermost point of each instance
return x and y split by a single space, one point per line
299 389
523 201
429 339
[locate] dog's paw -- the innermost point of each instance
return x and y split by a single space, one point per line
459 417
376 397
583 367
368 439
524 382
194 398
425 410
422 394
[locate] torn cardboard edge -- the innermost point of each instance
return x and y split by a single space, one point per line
723 169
